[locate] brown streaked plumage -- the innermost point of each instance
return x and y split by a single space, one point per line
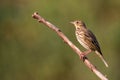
87 39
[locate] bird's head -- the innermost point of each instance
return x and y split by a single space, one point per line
78 24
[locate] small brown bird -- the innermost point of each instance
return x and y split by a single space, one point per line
87 39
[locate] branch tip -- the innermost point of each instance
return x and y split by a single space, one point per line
35 15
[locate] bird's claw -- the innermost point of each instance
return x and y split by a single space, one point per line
82 56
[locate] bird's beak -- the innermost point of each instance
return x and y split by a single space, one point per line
72 22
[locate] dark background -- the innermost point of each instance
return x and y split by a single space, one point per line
31 51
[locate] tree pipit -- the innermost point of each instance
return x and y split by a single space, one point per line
87 39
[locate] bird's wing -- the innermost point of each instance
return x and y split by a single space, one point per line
92 41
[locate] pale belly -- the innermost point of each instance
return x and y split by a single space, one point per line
82 42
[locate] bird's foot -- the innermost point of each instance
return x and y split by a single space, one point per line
82 56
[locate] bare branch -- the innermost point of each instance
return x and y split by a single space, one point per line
66 40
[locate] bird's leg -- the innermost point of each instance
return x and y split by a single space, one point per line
82 55
87 52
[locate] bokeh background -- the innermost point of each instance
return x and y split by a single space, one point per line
31 51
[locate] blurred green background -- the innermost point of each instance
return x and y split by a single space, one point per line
31 51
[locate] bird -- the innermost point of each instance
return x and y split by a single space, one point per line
87 39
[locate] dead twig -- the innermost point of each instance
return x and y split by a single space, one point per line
66 40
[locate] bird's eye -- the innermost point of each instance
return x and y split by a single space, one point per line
77 22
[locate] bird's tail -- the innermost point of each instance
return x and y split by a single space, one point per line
102 58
